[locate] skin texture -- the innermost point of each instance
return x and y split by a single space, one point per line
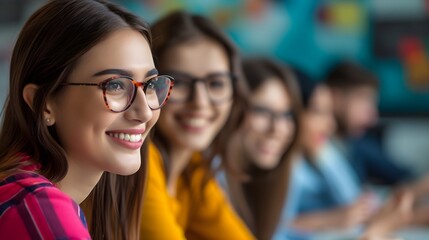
83 122
318 120
194 124
356 108
265 139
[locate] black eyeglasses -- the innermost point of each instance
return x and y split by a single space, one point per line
119 92
264 116
219 86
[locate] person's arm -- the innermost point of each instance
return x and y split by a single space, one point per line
339 218
47 213
395 214
214 218
158 217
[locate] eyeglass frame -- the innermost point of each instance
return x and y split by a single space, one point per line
193 81
272 114
102 85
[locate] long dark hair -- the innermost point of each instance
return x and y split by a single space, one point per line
48 47
180 27
260 198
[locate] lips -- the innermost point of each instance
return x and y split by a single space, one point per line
194 123
131 138
127 137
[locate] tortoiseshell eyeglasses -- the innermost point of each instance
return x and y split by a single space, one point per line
119 92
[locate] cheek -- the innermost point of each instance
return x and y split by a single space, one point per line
154 119
288 132
223 112
250 138
312 128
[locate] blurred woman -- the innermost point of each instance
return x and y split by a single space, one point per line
182 200
260 150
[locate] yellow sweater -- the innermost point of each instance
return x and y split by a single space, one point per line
186 216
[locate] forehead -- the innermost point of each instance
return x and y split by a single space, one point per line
122 49
272 92
199 57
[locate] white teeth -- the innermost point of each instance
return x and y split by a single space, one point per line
195 122
127 137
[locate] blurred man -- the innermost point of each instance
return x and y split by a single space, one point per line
355 92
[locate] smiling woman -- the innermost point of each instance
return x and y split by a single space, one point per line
83 97
181 194
262 147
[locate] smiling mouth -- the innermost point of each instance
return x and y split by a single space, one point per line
127 137
195 122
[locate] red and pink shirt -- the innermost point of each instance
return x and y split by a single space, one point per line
32 207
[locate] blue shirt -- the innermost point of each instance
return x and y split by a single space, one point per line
328 183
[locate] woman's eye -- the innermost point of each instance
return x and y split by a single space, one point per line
150 85
114 86
216 84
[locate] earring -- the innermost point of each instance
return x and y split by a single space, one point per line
48 121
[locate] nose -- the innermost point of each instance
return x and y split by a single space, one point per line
279 125
200 96
139 110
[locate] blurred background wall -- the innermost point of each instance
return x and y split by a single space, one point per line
390 37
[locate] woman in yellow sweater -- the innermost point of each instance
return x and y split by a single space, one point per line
182 200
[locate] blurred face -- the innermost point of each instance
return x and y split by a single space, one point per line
318 120
268 125
359 110
195 114
93 136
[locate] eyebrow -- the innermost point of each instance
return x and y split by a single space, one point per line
123 72
152 72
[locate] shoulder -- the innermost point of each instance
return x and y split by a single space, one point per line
31 203
17 187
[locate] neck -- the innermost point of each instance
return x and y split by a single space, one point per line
79 181
179 159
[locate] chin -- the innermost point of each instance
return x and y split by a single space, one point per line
127 171
266 163
198 144
126 167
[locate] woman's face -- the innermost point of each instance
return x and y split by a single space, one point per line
193 121
93 137
268 126
318 120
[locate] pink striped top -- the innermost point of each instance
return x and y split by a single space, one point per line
31 207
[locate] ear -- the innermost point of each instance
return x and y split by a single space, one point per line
28 94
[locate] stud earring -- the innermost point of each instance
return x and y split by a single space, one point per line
48 120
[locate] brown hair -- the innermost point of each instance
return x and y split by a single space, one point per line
348 75
49 45
180 27
260 199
